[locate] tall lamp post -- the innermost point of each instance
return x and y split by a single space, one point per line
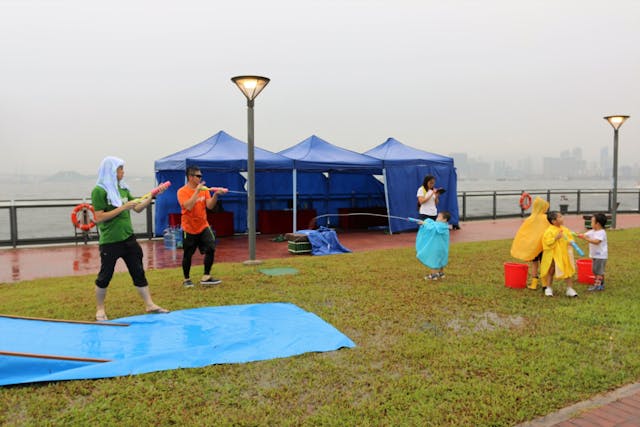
251 86
616 122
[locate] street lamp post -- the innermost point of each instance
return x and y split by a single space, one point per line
251 86
615 122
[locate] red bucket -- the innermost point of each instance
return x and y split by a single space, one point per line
515 275
585 271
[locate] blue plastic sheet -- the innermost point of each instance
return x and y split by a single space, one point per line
324 241
156 342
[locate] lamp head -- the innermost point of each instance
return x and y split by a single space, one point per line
250 86
616 121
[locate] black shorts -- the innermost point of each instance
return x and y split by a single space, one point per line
204 241
131 252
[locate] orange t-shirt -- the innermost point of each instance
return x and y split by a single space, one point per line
194 221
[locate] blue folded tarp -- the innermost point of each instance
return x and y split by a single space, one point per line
157 342
324 241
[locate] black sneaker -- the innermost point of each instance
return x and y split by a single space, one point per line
187 283
208 280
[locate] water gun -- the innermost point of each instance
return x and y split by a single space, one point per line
416 220
574 244
224 190
155 191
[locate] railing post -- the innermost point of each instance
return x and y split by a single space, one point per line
549 197
578 202
609 202
13 223
150 220
464 205
495 204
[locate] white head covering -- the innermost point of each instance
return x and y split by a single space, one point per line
108 179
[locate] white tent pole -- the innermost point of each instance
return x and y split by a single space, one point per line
328 197
386 197
295 200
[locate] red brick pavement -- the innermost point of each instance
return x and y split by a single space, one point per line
619 408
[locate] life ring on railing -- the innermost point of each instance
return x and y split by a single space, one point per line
525 201
80 209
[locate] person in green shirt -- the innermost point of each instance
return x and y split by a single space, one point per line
112 203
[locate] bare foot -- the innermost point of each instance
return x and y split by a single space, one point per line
156 310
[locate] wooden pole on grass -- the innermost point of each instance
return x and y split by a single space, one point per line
82 322
53 357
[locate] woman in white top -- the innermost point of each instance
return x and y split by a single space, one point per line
428 198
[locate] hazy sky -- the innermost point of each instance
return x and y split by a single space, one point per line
82 79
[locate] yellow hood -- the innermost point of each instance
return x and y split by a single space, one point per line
527 243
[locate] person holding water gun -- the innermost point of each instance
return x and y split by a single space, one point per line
527 243
195 198
112 203
557 255
598 249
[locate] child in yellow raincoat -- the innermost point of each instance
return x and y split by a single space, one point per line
527 244
557 255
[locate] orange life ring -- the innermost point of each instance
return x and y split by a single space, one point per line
80 209
525 201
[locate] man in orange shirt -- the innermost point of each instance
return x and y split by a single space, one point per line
195 199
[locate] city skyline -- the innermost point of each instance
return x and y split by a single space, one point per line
570 163
470 167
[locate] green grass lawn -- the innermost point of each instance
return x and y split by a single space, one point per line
464 351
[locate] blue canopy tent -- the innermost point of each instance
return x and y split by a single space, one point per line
328 177
221 158
404 168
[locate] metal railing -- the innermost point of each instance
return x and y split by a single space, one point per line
475 205
49 221
36 222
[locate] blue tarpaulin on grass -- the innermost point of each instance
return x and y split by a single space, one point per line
156 342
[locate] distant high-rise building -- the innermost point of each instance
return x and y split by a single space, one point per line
525 166
576 153
554 167
469 168
501 169
606 164
460 159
